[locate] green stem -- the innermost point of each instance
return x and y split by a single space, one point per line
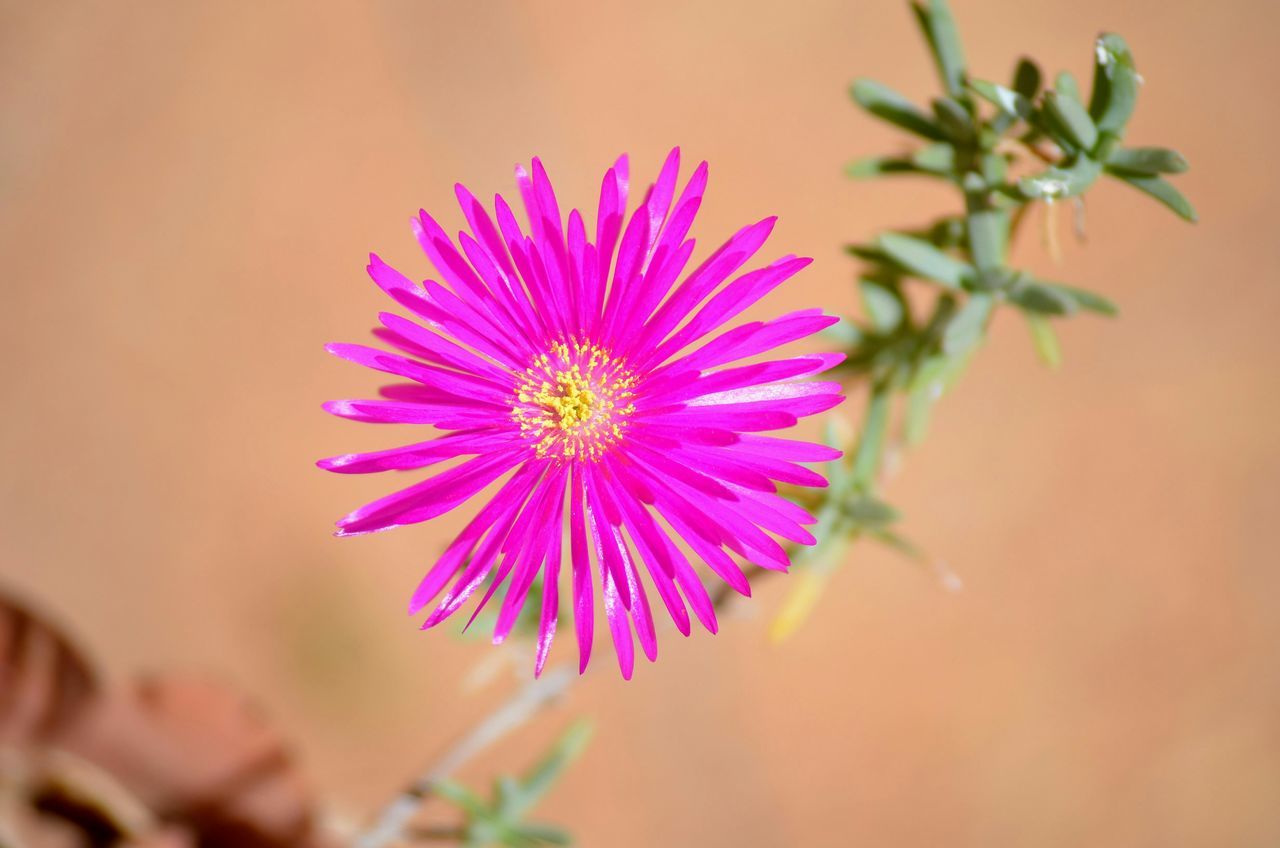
866 460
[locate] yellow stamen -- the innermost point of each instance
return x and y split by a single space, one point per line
573 402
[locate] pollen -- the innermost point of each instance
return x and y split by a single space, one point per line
574 401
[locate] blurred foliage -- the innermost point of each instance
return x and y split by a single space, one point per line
501 820
1003 148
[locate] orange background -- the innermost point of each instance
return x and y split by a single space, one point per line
187 196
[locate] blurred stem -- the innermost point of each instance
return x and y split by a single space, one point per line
437 834
389 826
871 445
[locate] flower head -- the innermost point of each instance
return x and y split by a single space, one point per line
595 376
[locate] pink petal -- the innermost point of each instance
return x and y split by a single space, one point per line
583 602
434 496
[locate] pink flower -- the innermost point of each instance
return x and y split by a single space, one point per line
595 373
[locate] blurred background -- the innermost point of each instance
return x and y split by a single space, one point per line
188 192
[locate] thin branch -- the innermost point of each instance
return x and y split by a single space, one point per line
389 826
437 834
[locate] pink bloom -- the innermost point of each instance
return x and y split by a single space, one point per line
596 374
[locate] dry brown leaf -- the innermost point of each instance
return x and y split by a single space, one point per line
46 682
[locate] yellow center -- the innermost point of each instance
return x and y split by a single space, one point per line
574 401
571 399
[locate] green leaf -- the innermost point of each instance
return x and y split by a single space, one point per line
1045 340
868 253
926 387
945 232
1065 84
883 305
935 158
988 231
542 834
1147 160
892 540
931 372
867 512
1042 299
1072 120
1115 84
944 42
1083 298
866 458
1056 183
994 168
954 119
878 166
471 804
923 259
1006 100
509 796
1161 190
920 401
1026 78
884 166
967 326
543 776
889 105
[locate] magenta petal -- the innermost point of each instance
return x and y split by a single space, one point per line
444 351
701 535
455 271
484 231
548 528
583 609
747 420
729 258
626 276
550 597
639 606
790 449
685 385
654 553
497 515
431 497
480 565
725 468
686 435
438 306
696 593
776 514
611 550
418 455
728 304
521 546
659 200
470 389
752 339
777 469
798 399
403 412
619 629
389 279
